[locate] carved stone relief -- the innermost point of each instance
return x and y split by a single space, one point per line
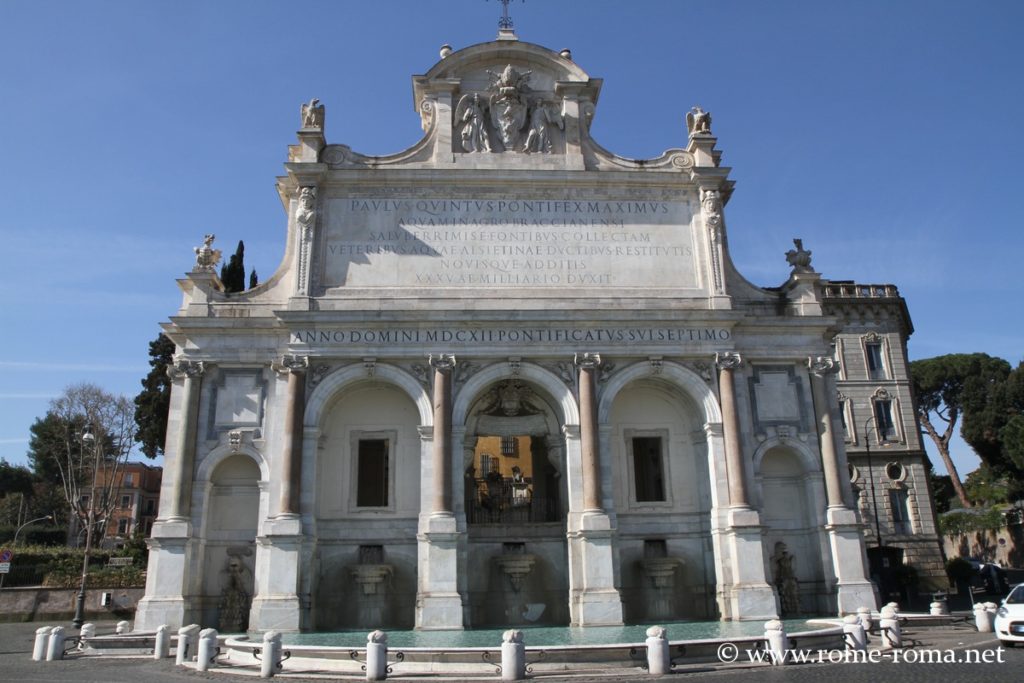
508 117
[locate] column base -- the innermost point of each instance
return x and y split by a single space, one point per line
439 605
276 605
594 600
851 596
152 613
751 602
750 597
853 589
439 612
276 614
596 607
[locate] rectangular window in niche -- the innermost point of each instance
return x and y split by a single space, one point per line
876 368
883 417
647 469
372 475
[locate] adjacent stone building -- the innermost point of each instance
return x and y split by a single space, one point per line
508 377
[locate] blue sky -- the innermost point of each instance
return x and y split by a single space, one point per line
888 135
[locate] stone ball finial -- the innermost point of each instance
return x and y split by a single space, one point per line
773 625
851 619
657 632
377 636
512 636
565 53
888 612
446 50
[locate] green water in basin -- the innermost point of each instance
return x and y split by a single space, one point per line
534 636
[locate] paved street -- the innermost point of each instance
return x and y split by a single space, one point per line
17 666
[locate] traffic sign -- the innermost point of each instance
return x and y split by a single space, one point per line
6 555
5 567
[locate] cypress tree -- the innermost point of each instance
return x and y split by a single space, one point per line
232 273
253 280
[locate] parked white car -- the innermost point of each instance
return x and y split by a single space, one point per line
1010 618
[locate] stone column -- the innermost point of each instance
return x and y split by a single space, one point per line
279 548
180 500
846 540
439 604
820 368
748 596
171 543
291 456
593 597
589 439
735 470
442 453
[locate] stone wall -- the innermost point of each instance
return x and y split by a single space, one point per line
1003 546
38 604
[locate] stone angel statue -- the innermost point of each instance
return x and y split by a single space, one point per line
539 138
698 121
313 114
469 114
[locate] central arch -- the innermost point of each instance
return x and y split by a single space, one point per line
514 496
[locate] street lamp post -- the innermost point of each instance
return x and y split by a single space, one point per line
88 440
871 479
14 542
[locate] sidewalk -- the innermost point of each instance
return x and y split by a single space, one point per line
16 650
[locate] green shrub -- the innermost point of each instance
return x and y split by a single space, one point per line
34 535
958 522
61 567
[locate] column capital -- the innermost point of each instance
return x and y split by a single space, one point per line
571 431
587 361
442 362
426 432
728 360
289 363
182 368
821 366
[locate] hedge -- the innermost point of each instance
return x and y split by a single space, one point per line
61 567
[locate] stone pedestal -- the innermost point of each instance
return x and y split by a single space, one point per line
438 602
853 589
170 551
276 604
593 598
749 597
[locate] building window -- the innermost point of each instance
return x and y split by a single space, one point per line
900 513
129 479
873 353
510 446
150 506
883 420
122 526
648 475
372 475
126 502
844 419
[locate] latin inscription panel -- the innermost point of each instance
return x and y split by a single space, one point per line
508 243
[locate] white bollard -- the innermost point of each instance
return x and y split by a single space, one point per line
207 649
87 631
185 650
271 653
939 608
895 607
376 656
55 645
864 614
42 640
162 646
513 656
889 625
122 628
659 662
778 643
991 608
982 619
853 632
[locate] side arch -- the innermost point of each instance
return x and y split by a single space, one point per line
543 378
209 464
671 373
351 374
808 458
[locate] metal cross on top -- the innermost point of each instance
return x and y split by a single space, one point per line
505 22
